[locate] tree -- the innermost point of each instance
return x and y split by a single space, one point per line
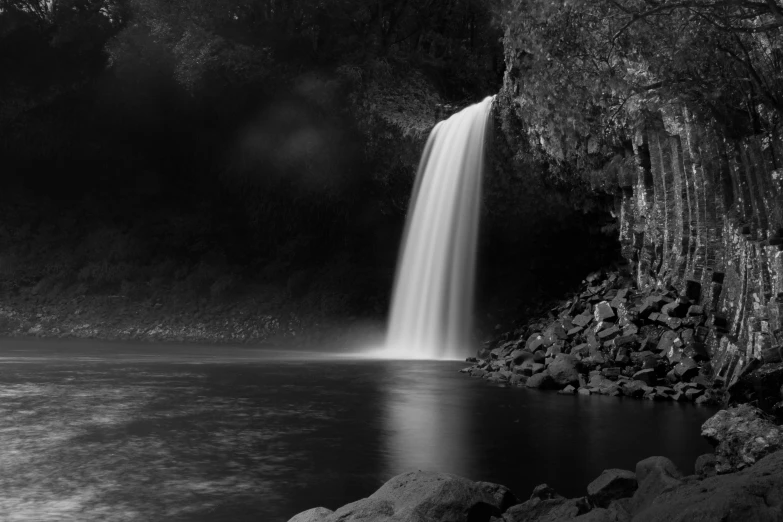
589 70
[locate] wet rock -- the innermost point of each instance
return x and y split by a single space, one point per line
319 514
544 492
751 495
534 342
686 369
424 496
541 381
671 322
666 343
741 435
603 311
555 349
547 510
646 376
630 329
575 330
520 356
497 377
622 357
707 399
563 370
583 391
705 465
609 333
581 350
554 333
627 341
655 475
634 388
568 390
478 373
611 373
613 484
582 320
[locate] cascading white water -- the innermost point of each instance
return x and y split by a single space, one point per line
433 290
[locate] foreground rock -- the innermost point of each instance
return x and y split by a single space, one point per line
754 494
422 496
655 492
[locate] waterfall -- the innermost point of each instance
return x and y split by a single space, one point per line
431 314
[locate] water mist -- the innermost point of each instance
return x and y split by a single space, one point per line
431 314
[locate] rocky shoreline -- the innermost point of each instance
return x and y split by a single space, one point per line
611 338
742 481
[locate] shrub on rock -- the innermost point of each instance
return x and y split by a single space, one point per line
741 435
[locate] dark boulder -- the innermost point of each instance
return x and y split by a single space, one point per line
754 494
545 492
547 510
647 376
705 465
611 485
541 380
603 311
534 342
520 356
563 370
568 390
655 475
424 496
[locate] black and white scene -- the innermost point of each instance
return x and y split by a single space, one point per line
391 260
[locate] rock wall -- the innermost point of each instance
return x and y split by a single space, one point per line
704 213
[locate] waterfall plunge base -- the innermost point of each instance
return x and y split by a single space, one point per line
433 290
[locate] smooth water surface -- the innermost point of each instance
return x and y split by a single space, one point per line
119 432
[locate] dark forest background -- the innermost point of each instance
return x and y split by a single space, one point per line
182 155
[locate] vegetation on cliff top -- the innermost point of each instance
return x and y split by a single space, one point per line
588 72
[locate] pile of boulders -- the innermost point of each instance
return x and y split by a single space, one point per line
610 339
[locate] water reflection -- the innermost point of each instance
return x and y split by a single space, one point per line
131 434
427 425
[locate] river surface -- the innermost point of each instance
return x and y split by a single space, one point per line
109 432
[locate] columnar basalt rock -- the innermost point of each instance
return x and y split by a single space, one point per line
706 212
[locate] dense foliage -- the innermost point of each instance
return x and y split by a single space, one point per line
589 71
241 139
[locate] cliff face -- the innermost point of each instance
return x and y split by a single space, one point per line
704 213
